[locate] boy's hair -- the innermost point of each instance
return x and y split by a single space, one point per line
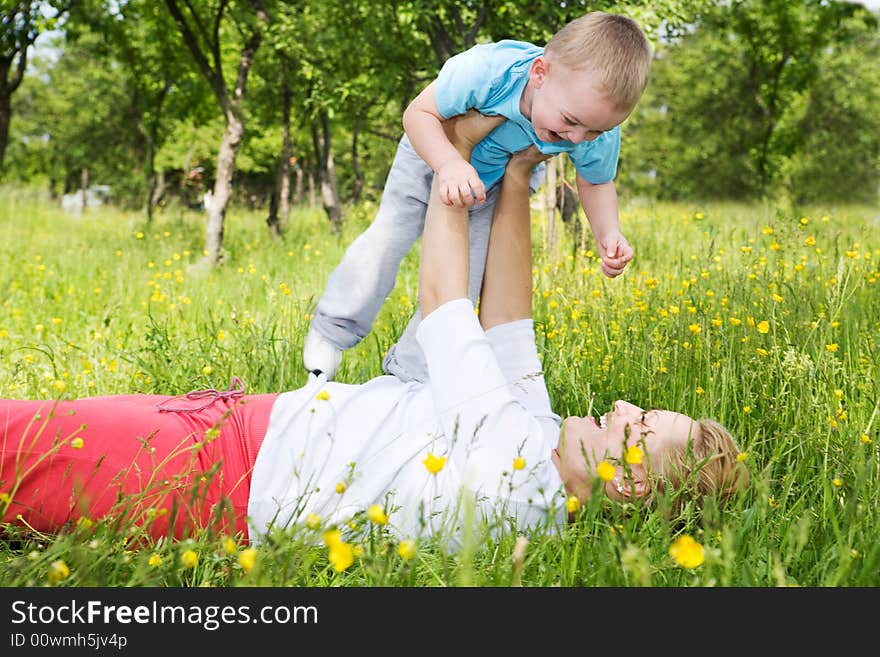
611 44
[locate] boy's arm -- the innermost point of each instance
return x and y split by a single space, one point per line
600 205
459 185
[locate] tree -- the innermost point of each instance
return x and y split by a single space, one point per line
204 39
20 25
724 116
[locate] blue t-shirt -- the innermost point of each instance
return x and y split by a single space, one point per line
491 78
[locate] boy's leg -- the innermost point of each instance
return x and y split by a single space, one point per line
405 359
358 286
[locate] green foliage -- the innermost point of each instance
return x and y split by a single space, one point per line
765 320
762 98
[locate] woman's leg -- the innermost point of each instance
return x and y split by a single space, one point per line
124 458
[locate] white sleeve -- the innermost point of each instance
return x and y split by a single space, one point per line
487 425
517 355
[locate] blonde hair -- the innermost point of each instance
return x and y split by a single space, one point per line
611 44
710 465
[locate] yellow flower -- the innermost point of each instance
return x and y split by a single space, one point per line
831 348
742 456
247 559
519 463
838 393
77 443
763 327
58 571
694 328
341 556
5 498
687 552
323 395
377 515
340 487
572 504
406 550
837 483
313 521
434 464
605 471
229 545
810 241
747 409
633 455
866 439
332 537
189 559
154 560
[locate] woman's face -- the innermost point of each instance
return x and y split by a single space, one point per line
585 442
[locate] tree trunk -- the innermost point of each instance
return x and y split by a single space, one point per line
223 186
355 163
327 173
157 193
279 202
298 188
84 188
313 201
5 118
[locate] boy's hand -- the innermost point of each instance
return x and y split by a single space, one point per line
460 184
615 252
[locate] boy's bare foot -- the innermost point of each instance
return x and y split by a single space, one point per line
467 130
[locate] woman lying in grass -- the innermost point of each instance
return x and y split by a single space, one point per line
407 454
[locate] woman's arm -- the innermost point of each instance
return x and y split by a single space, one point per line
507 282
444 264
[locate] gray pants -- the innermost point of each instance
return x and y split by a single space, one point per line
359 285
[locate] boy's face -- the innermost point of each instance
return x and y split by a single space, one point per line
569 105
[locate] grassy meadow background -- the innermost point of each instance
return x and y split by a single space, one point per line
767 320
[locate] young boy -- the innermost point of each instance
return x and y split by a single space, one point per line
570 96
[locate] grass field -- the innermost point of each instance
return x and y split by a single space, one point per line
768 321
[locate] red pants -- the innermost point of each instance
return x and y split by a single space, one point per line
124 459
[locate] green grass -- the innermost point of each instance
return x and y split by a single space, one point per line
775 334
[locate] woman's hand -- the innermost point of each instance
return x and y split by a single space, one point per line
467 130
522 162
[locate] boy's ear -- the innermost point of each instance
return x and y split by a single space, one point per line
538 71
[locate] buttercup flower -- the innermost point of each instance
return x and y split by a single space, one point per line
519 463
434 464
406 550
247 559
633 455
340 487
763 327
572 504
332 537
341 556
377 515
323 395
605 471
189 559
229 545
686 552
154 560
58 571
77 443
313 521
